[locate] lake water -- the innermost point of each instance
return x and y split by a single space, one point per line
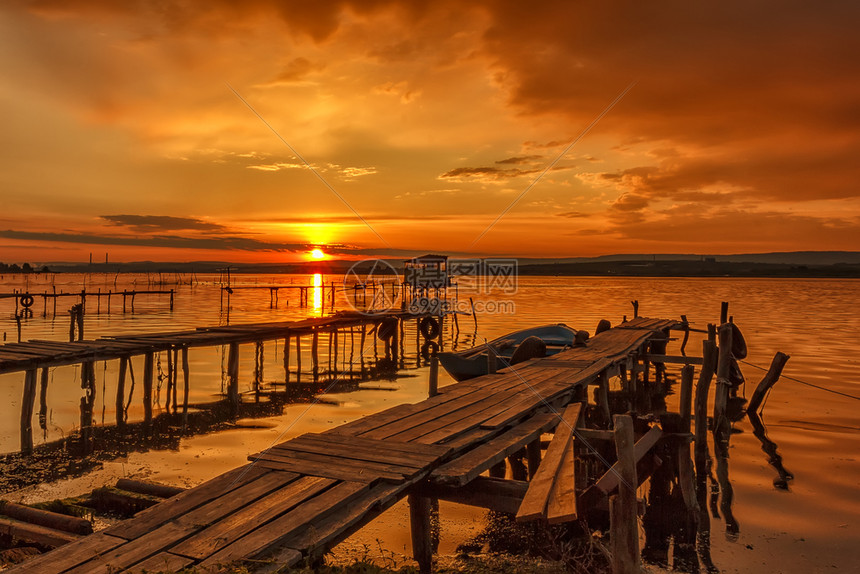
812 527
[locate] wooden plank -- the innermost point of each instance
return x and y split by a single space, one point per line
326 530
434 419
161 562
561 506
171 532
484 492
428 410
239 523
609 481
187 501
352 453
71 555
335 461
326 471
274 532
468 466
429 451
534 503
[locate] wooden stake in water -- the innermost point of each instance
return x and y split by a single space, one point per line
623 506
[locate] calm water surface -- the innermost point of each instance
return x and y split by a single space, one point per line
813 527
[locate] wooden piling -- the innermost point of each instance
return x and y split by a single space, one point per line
27 404
185 378
722 427
315 354
686 476
287 359
298 358
623 506
706 374
120 391
147 388
434 376
233 377
419 521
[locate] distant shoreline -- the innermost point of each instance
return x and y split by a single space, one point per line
634 268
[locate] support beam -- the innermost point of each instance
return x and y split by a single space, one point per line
623 506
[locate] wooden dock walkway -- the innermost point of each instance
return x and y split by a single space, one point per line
299 498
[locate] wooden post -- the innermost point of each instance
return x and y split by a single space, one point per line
434 376
185 378
27 404
685 463
722 426
706 374
315 354
361 346
147 388
287 359
298 358
603 389
43 399
171 299
769 380
171 381
120 391
419 521
491 360
623 506
635 308
724 312
233 377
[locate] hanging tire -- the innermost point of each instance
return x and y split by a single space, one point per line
429 327
27 301
429 349
387 328
739 345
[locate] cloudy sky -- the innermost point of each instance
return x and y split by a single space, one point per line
254 131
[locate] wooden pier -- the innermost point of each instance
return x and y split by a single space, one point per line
297 499
36 357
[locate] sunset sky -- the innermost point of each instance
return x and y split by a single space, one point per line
169 130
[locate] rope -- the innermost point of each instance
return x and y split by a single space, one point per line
806 383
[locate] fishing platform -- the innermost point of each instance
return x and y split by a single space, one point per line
297 499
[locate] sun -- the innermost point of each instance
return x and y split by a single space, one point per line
317 254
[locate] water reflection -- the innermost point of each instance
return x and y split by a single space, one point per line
769 447
318 292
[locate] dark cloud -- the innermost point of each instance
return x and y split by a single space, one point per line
490 173
573 214
157 223
170 241
520 159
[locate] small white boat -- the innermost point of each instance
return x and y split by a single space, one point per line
471 363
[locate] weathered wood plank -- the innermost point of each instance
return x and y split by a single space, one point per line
561 506
534 503
187 501
273 533
234 526
161 562
466 467
72 555
336 464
